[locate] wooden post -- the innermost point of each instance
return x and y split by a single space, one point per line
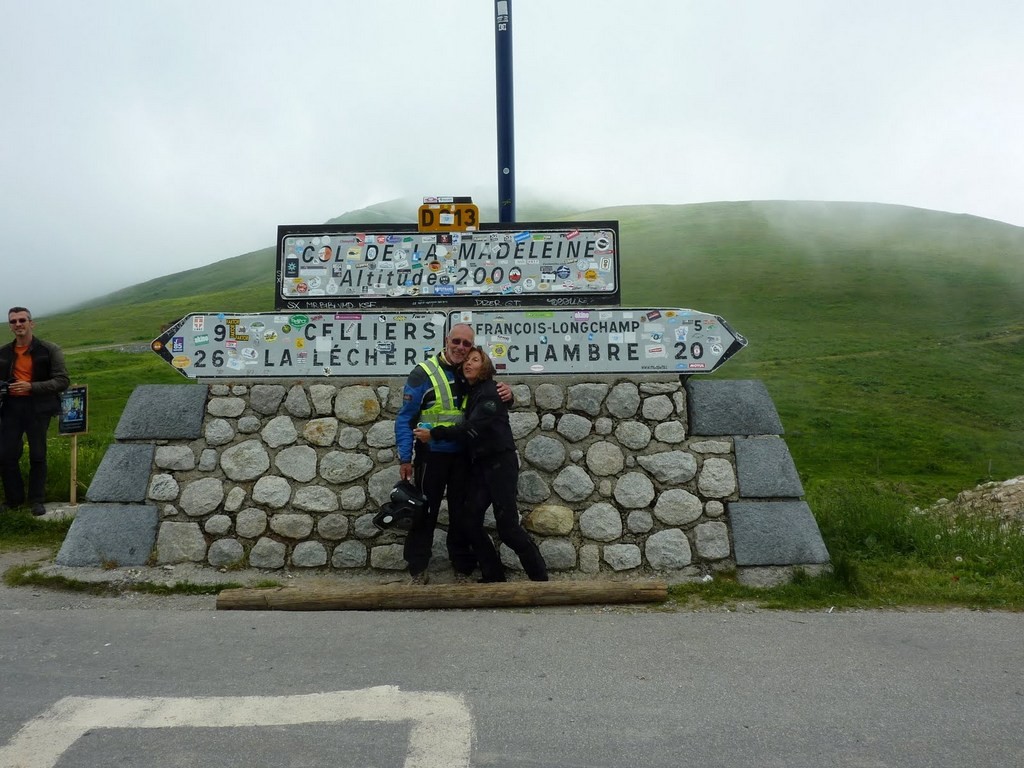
404 596
74 469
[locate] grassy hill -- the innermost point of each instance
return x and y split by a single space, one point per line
890 337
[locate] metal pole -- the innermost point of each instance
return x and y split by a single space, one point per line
506 134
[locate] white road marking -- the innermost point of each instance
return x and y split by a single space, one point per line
441 734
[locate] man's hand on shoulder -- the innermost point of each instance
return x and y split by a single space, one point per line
504 391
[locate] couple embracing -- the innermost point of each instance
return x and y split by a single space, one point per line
453 435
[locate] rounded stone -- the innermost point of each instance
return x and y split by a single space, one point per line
668 550
218 432
587 397
357 405
272 491
622 557
180 543
200 497
292 526
352 498
266 398
349 437
381 435
297 404
321 431
279 431
297 462
623 400
670 467
309 554
677 506
633 435
245 461
601 522
717 478
523 423
315 498
550 520
175 457
162 487
250 523
532 488
558 554
268 554
634 490
349 554
339 468
604 458
217 525
573 484
549 397
545 452
639 521
574 427
713 540
333 526
671 432
226 407
225 552
657 408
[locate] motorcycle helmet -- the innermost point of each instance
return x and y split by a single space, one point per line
407 503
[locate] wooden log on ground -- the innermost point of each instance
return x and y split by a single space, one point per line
422 596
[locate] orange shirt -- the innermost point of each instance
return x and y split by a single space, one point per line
22 366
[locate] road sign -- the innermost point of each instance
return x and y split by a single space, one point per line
448 217
521 342
603 340
300 345
355 267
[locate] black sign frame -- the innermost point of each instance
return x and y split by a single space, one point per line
581 258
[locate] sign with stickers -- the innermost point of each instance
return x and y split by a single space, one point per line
359 268
448 214
520 342
603 340
300 345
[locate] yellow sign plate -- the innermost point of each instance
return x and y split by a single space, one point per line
448 217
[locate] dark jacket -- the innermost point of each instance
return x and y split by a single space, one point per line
49 373
485 429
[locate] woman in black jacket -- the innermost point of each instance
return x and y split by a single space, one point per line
493 472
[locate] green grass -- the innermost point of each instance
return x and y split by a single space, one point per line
890 338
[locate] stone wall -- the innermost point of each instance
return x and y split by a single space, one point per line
626 477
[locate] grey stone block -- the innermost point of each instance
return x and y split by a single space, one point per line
110 533
775 533
765 469
163 412
123 474
731 408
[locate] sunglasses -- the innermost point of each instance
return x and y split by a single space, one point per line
22 320
461 343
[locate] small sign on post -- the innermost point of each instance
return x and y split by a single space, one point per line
448 214
73 419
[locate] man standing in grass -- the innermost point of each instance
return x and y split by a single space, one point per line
34 375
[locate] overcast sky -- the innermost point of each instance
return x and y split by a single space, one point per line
139 138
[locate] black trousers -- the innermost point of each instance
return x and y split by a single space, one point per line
494 480
18 420
435 474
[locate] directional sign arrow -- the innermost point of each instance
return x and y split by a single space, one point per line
595 340
604 340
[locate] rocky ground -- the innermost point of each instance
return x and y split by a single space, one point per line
1003 500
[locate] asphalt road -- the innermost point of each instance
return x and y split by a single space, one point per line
159 682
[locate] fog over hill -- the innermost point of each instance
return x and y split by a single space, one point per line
836 231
